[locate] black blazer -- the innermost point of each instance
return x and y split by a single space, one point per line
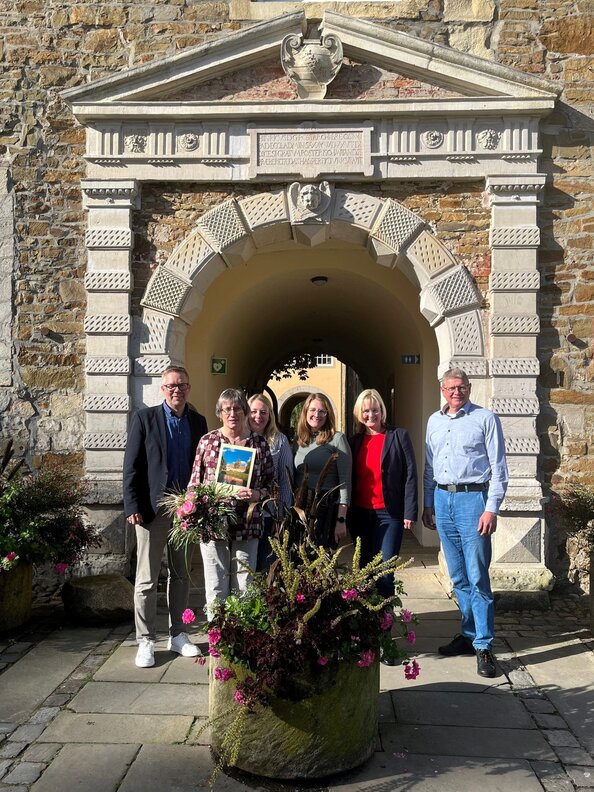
399 473
145 459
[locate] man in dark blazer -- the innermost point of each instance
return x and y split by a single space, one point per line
159 455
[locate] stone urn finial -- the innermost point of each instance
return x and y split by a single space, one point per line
311 64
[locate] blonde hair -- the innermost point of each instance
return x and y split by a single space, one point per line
271 431
370 395
304 432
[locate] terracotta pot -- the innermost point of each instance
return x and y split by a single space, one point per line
332 729
16 596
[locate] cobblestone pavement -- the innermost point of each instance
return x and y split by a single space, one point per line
560 705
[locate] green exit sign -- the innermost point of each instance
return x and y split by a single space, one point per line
218 365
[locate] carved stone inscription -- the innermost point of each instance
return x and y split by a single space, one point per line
311 152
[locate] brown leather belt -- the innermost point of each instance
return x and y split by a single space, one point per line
464 487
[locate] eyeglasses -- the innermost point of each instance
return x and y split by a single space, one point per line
321 413
229 410
180 386
460 388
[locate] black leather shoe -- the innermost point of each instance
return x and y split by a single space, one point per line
459 645
485 663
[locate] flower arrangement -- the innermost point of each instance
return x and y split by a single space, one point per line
308 613
201 513
42 517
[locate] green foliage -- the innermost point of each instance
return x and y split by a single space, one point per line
297 365
42 517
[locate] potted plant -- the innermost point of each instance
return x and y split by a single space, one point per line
575 504
41 520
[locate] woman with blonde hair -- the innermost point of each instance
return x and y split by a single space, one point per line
323 462
384 500
261 419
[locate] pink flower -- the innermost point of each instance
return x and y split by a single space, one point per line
355 638
61 567
349 594
366 659
213 652
411 637
201 660
239 697
412 670
214 636
184 525
406 616
11 556
300 598
386 621
322 660
179 513
223 674
188 507
188 616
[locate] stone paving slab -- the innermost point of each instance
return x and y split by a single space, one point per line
401 773
436 708
38 673
443 673
565 671
433 608
420 585
78 769
466 741
176 768
70 727
137 698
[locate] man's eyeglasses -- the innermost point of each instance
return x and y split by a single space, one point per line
181 386
460 388
321 413
229 410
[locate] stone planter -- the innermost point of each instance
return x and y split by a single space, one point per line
332 729
16 596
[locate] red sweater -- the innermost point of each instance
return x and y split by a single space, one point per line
368 491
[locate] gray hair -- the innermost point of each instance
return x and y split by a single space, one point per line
233 395
455 373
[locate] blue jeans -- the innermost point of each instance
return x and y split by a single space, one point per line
380 533
468 555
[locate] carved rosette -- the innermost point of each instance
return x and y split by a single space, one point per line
311 64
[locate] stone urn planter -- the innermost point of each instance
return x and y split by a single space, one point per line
16 596
326 723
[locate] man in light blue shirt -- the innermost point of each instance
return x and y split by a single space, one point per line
464 481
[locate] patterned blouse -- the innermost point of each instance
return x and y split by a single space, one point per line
205 465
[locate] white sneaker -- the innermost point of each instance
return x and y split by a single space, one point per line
145 656
183 646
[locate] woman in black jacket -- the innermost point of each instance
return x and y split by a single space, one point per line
384 492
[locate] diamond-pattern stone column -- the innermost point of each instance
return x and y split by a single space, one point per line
519 561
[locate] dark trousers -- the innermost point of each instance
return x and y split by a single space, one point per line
379 533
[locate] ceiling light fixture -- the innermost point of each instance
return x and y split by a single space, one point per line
319 280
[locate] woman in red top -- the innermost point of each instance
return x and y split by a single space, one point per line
384 492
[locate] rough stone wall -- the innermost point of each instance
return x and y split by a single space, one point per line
47 47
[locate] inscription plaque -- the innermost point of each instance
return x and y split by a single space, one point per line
311 152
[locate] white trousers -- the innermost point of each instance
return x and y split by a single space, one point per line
226 568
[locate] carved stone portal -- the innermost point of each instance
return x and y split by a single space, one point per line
311 64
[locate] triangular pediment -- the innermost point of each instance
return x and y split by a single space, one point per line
439 70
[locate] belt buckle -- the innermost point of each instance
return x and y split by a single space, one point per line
452 487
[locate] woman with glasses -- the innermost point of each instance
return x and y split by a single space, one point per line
384 500
261 419
227 562
323 468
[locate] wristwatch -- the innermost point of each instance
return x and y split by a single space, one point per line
341 519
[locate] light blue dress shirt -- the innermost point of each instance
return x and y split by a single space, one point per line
465 448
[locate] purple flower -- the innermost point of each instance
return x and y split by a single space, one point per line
386 620
406 616
213 652
188 616
61 567
300 598
214 636
322 660
223 674
239 697
412 670
349 594
366 658
411 637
